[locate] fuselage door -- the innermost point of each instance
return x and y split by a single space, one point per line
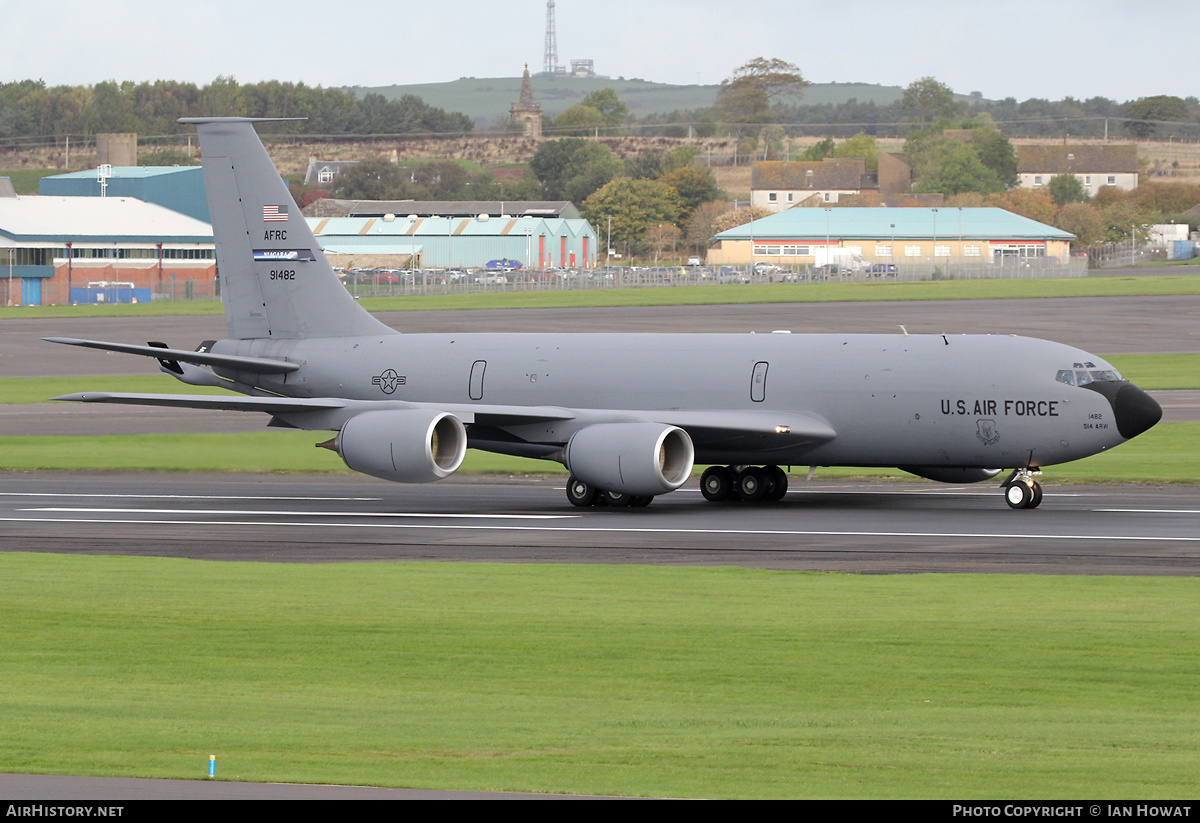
758 382
476 389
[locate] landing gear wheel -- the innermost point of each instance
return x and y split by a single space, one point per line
1037 495
617 499
580 493
1019 494
753 484
716 483
779 481
640 501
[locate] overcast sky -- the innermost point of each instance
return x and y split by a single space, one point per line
1050 48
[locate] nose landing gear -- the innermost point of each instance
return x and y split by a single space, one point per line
1022 491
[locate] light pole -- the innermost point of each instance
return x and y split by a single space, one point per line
934 235
608 245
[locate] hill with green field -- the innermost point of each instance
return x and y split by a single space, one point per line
486 100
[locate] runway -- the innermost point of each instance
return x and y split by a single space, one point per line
877 528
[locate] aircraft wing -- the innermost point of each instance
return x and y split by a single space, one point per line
492 415
752 430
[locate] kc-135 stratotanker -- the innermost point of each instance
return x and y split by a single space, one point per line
627 414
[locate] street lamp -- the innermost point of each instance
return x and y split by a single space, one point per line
935 211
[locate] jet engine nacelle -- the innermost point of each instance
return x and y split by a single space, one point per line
950 474
631 458
407 446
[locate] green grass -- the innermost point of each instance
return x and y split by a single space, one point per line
15 390
1159 371
626 680
28 181
694 296
1165 454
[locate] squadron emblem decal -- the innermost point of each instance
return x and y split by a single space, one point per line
985 430
389 381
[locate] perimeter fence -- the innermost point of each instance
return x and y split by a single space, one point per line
434 281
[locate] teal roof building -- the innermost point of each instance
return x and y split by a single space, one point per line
803 236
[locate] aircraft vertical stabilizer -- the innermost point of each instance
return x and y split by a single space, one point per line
275 280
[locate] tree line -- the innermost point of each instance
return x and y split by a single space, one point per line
31 112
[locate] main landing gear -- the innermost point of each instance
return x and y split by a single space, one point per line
1022 491
752 484
581 494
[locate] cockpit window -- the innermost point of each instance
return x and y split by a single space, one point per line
1083 376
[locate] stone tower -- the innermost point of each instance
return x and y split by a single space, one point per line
526 113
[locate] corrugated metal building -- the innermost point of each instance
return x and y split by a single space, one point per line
458 242
889 235
179 188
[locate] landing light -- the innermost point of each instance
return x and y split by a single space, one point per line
782 429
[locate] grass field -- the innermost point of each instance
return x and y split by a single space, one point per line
628 680
693 296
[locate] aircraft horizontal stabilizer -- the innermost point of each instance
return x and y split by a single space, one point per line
270 405
257 365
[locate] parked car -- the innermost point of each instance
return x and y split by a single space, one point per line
881 269
695 260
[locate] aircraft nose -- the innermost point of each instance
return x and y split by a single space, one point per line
1134 410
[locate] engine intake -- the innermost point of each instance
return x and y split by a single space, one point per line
631 458
406 446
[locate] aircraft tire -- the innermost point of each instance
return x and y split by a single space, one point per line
779 483
617 499
716 484
580 493
640 501
1018 495
1036 500
753 485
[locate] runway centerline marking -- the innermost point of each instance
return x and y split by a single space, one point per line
264 513
620 530
187 496
1149 511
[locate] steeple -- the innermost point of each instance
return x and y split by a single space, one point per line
526 113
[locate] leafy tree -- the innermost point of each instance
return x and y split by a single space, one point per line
819 150
693 186
996 152
634 205
1067 188
952 167
746 95
929 99
371 180
578 121
573 168
1143 113
609 105
860 145
1082 220
1035 204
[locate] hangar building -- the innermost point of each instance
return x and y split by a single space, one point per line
55 250
801 236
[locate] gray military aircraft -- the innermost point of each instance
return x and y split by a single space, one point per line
627 414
